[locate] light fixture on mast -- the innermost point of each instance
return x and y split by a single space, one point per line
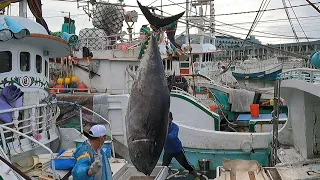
130 17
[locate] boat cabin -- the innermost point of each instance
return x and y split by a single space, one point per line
25 48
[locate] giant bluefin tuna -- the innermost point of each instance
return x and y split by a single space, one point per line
149 103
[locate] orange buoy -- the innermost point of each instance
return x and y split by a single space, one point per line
213 107
52 91
82 87
60 88
74 79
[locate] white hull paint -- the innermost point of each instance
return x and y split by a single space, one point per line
200 133
254 67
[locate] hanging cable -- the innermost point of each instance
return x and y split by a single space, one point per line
234 37
291 24
300 25
254 21
263 6
261 14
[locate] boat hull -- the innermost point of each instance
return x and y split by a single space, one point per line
216 156
259 75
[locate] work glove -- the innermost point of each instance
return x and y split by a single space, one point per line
95 167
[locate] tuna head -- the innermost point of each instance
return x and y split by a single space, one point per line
147 116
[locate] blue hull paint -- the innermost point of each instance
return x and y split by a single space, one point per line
248 76
273 76
216 157
260 75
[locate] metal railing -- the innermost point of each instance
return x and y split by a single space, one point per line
90 90
181 91
258 64
302 74
29 120
34 141
4 155
253 69
81 124
112 42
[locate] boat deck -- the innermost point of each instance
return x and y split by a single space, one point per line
294 166
308 169
116 166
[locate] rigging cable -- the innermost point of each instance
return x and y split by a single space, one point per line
260 13
250 42
226 14
300 25
256 20
279 35
291 24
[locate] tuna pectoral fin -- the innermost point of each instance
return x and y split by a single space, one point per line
131 73
157 22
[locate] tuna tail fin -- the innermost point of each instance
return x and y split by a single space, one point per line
157 22
172 81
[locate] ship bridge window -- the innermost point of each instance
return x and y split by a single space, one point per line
24 61
6 61
46 72
184 65
38 64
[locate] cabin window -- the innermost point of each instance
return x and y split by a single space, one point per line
24 61
6 61
38 64
169 64
46 72
195 57
184 65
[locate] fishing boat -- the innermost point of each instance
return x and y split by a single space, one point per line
295 150
252 68
33 144
196 117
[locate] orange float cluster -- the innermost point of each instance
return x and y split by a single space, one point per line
69 82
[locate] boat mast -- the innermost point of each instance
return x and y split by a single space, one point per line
187 26
212 23
23 7
200 19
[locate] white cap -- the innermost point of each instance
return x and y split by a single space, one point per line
98 131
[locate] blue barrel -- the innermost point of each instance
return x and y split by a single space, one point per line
315 59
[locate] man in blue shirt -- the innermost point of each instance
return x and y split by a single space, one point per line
173 149
92 160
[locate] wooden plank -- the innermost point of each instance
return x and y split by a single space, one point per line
233 174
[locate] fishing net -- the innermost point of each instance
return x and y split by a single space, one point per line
69 115
109 18
93 38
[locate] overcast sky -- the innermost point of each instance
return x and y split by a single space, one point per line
309 17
